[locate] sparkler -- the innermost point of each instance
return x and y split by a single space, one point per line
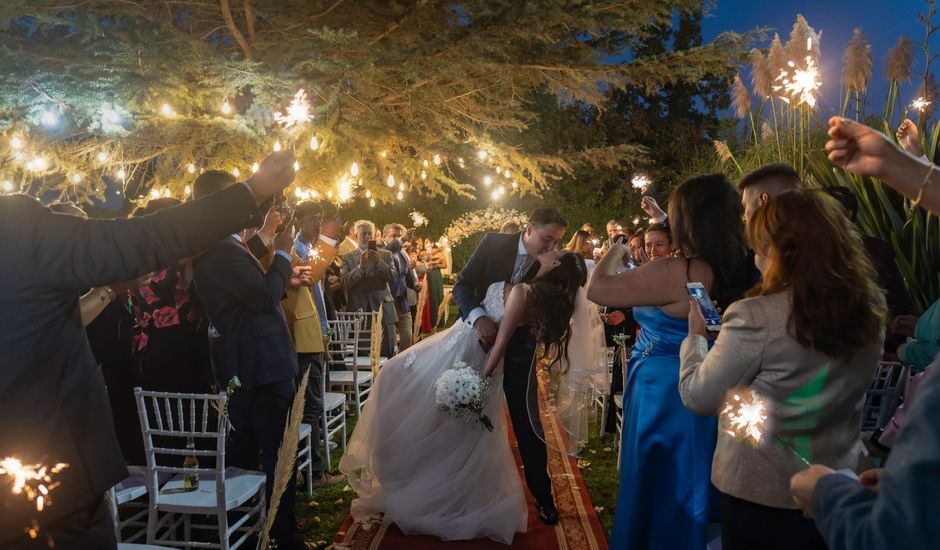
744 417
298 112
418 218
641 182
800 84
33 480
919 104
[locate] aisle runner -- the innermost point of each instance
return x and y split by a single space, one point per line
578 527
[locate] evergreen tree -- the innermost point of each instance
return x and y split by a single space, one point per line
135 89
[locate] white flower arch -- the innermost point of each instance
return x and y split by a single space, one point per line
489 219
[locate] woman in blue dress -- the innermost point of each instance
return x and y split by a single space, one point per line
666 498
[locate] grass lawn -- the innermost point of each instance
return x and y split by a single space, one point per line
321 516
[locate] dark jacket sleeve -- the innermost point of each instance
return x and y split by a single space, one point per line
257 247
471 276
239 277
67 252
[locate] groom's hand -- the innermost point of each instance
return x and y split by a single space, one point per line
486 330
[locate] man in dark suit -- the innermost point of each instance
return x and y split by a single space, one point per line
366 276
249 339
53 403
511 258
405 280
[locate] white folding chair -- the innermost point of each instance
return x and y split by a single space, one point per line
883 396
363 320
126 493
343 344
305 455
332 421
224 494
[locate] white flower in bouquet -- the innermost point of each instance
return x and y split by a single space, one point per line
461 392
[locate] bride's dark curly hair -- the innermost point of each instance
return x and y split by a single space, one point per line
550 304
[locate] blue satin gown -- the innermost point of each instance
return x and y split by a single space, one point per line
665 474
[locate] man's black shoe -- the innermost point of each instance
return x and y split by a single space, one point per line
548 514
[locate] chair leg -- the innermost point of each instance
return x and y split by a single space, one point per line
310 465
344 433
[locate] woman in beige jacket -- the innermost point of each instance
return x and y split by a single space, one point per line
807 341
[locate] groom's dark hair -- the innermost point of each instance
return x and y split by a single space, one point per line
542 216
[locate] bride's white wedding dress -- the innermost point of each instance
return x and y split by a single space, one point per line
425 471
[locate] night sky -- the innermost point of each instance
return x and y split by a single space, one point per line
881 21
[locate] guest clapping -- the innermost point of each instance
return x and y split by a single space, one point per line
367 274
810 333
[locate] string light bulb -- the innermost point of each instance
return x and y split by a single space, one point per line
401 186
296 166
515 185
482 154
487 181
187 190
391 180
314 143
166 192
121 173
166 110
254 168
49 118
424 175
298 193
437 159
424 163
400 195
76 178
383 153
495 195
277 146
15 143
226 108
368 194
7 186
191 168
499 170
354 169
372 203
506 173
102 156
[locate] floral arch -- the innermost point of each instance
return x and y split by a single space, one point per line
489 219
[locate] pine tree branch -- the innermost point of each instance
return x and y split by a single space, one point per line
236 34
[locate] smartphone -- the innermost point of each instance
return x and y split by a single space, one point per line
371 245
712 317
620 239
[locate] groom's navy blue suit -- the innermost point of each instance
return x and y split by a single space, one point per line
494 260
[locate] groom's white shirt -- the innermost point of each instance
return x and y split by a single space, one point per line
521 255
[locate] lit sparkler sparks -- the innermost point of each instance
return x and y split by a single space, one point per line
919 104
298 112
641 182
343 190
745 416
800 84
35 480
418 218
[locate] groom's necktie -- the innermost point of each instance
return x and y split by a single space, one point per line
523 268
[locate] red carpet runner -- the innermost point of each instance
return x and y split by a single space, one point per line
578 527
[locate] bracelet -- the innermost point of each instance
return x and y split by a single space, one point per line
108 293
923 186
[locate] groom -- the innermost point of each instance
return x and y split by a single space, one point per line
511 258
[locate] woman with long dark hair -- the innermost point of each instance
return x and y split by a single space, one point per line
432 474
665 491
807 340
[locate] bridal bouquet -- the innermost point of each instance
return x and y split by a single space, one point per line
461 392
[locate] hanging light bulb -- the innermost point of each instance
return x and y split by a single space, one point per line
424 175
315 193
354 169
383 153
40 163
254 168
501 190
191 168
166 192
7 186
102 156
277 146
372 203
515 185
506 173
437 159
482 154
121 173
187 191
498 170
297 192
400 195
226 108
236 172
49 118
391 180
495 195
487 181
296 166
76 178
461 162
368 194
166 110
329 194
314 143
424 163
15 143
401 186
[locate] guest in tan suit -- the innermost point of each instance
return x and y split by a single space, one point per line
304 307
807 340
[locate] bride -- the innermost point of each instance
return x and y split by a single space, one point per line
429 473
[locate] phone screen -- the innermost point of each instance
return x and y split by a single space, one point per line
712 317
371 245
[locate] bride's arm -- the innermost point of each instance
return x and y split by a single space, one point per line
512 318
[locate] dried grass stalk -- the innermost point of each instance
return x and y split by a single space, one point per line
857 63
419 312
722 150
766 133
761 77
740 98
899 61
286 457
776 57
804 41
375 341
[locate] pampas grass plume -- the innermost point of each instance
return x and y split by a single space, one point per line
740 98
857 63
761 77
899 60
